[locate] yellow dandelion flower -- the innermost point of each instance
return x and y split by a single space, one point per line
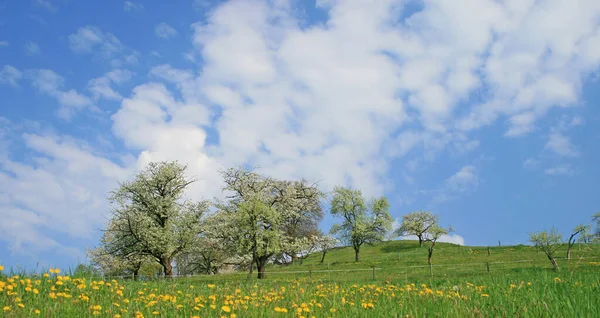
232 316
37 311
20 305
6 308
226 309
1 268
155 313
485 295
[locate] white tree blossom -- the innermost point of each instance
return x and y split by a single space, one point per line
361 223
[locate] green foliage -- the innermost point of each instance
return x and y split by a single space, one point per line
149 217
256 217
86 270
417 223
549 242
361 223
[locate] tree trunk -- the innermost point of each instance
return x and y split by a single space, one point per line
420 240
323 257
167 267
294 258
261 271
136 274
261 263
569 252
554 263
429 254
356 258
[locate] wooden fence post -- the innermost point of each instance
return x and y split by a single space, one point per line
487 265
310 273
373 272
431 270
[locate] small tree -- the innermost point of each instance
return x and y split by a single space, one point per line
417 223
112 258
578 230
548 242
325 244
361 223
430 237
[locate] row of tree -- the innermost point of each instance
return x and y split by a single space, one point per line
260 220
551 241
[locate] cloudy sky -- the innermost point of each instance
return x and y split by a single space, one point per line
482 111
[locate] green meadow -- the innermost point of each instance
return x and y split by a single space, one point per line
392 280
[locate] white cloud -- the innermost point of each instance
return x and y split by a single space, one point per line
531 163
101 87
561 145
47 4
165 31
463 181
32 48
91 40
130 6
560 170
10 75
48 82
62 192
339 101
450 238
3 43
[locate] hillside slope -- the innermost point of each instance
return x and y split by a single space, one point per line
404 259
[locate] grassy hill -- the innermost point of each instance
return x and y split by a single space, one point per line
405 260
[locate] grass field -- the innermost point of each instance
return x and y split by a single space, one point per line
459 286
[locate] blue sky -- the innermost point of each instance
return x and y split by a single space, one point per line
484 112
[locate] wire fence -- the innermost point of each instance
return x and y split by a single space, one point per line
392 272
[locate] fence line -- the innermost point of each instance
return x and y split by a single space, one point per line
358 269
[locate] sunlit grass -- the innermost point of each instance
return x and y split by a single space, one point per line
518 289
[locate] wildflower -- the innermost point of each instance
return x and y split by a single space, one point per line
155 313
211 286
6 308
485 295
21 305
1 268
37 311
557 279
226 308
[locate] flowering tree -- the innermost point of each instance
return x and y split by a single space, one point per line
324 244
361 222
417 223
114 263
258 210
580 230
433 234
549 242
149 217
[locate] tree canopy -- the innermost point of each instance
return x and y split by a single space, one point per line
361 222
417 223
150 217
